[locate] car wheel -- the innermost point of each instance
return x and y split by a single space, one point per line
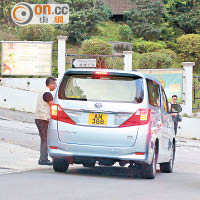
89 164
149 171
60 165
168 166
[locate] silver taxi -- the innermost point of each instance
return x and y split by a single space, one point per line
103 117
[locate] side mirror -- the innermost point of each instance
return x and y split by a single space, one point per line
176 108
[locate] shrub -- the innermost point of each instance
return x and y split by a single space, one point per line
37 33
94 47
125 33
155 60
171 45
189 49
147 46
169 52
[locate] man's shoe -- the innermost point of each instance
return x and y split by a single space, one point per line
44 162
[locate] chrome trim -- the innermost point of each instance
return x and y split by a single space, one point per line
97 126
96 111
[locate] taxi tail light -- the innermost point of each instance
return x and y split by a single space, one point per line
140 117
57 113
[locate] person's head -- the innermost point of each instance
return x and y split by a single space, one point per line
174 98
51 83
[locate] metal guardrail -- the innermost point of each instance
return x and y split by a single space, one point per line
196 93
102 61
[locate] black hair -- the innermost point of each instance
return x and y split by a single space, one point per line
174 96
50 80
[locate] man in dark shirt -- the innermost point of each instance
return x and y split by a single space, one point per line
174 114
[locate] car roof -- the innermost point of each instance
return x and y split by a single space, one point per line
112 71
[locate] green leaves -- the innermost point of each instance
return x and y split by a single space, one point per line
183 14
155 60
84 17
95 47
37 32
147 46
189 49
145 19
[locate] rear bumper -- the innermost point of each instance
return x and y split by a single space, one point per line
64 150
100 152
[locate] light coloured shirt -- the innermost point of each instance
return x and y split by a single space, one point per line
42 108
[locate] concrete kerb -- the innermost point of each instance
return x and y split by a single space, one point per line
15 158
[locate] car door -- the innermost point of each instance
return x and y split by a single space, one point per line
157 127
166 124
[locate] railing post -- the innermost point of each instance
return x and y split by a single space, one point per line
61 55
187 86
128 56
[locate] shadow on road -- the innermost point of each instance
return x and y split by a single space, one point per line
114 172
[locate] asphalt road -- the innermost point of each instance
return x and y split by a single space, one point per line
98 183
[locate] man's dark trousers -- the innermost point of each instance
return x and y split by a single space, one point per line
175 120
42 126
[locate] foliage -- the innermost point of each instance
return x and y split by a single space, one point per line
183 14
189 49
84 17
142 46
94 47
107 31
171 45
169 52
155 60
37 33
145 18
125 33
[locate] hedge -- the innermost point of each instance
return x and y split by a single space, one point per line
147 46
95 46
155 60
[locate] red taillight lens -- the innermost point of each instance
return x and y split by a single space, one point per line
140 117
53 147
57 113
139 153
101 73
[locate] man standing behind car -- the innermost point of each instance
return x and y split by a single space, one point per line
44 102
174 114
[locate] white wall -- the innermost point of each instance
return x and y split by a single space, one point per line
189 128
20 93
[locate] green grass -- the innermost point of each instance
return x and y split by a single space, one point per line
107 31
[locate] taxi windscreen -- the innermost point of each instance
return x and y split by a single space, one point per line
102 88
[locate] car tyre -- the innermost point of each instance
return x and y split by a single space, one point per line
149 170
60 165
168 166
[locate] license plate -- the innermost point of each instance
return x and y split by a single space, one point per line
97 119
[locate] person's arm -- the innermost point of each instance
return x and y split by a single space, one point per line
48 97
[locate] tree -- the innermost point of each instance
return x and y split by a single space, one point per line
184 14
189 49
84 16
145 18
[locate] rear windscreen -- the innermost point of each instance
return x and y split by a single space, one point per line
108 88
